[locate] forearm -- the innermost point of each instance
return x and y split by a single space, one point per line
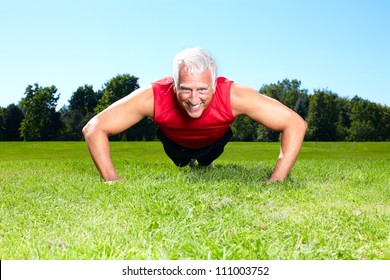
291 143
282 168
99 148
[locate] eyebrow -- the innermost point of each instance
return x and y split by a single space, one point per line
198 88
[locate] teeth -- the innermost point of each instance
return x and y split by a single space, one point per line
193 106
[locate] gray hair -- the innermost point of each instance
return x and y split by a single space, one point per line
194 60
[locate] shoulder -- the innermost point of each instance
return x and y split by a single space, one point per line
167 81
223 87
242 98
223 82
162 87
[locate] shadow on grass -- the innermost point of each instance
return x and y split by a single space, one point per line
222 173
241 174
231 173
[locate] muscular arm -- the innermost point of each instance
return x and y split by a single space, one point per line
273 115
115 119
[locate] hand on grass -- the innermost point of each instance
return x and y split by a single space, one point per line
273 181
115 181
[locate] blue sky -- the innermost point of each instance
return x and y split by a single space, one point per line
343 46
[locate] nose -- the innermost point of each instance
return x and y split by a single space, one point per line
194 97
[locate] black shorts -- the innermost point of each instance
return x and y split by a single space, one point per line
182 156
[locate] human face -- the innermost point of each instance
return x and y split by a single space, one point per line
195 92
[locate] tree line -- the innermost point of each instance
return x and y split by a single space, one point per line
329 116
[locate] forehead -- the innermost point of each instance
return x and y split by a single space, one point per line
188 78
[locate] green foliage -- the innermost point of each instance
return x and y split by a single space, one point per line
386 123
302 105
334 206
41 121
84 100
13 117
244 129
290 94
267 135
80 110
330 117
144 130
367 121
115 89
344 119
74 122
323 116
2 129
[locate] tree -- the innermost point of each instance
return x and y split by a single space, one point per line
322 117
80 110
302 106
141 131
84 100
2 129
41 121
366 121
267 135
13 117
386 122
244 129
290 94
73 122
115 89
274 91
344 119
293 93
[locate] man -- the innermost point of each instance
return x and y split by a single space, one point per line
194 110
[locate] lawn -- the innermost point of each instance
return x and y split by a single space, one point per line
335 204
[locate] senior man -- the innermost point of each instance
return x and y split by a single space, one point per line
193 110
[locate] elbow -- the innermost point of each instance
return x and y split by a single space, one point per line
89 129
94 129
302 126
86 131
299 125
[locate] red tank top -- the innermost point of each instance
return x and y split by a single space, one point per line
184 130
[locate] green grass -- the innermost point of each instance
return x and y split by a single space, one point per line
335 204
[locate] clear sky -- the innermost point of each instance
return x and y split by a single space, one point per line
343 46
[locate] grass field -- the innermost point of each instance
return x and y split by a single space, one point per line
335 204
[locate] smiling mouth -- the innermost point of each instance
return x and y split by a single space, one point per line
193 106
